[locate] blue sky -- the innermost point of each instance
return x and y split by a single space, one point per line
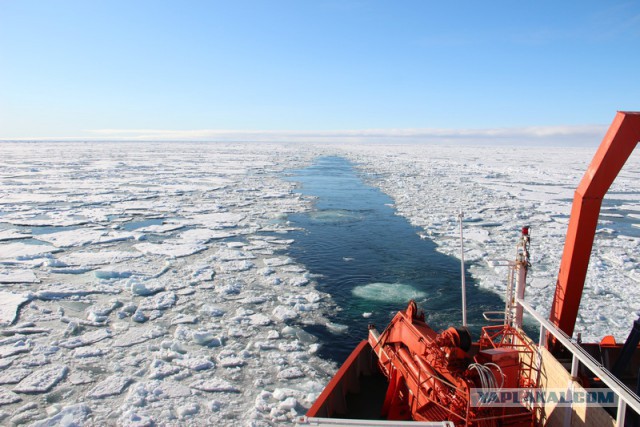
197 70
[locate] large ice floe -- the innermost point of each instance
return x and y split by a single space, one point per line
149 284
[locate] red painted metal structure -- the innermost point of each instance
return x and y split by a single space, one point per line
432 376
615 149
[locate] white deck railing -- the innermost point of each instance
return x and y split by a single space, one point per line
626 397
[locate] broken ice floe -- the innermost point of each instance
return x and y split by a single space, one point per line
83 237
215 385
110 386
73 415
60 291
86 339
398 293
18 276
98 258
171 250
42 380
10 304
12 234
13 376
20 251
7 397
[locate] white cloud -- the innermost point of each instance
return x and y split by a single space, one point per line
559 135
534 135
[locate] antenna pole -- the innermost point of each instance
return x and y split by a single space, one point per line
464 285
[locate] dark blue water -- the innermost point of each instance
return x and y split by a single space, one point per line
353 239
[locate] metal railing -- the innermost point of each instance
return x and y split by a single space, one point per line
626 397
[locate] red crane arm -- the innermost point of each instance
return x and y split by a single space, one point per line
615 149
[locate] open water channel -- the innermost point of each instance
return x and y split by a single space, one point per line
372 261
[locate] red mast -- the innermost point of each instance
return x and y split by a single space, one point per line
615 149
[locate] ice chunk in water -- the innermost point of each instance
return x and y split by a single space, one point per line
7 397
42 380
337 328
111 386
215 385
388 292
74 415
170 250
24 251
18 276
9 305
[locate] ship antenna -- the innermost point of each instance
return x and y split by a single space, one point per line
464 285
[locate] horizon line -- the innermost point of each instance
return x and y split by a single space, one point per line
541 134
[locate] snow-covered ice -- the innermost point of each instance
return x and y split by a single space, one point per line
17 251
18 276
110 386
42 380
73 415
151 282
9 305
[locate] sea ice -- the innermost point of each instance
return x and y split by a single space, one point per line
259 319
159 369
23 251
110 274
85 352
337 328
388 292
18 276
159 301
144 288
74 415
111 386
181 248
234 266
60 291
86 339
219 219
10 304
137 336
291 373
276 262
187 410
170 250
12 234
75 237
42 380
204 235
7 397
162 228
195 364
283 313
13 376
206 338
18 346
98 258
215 385
232 255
